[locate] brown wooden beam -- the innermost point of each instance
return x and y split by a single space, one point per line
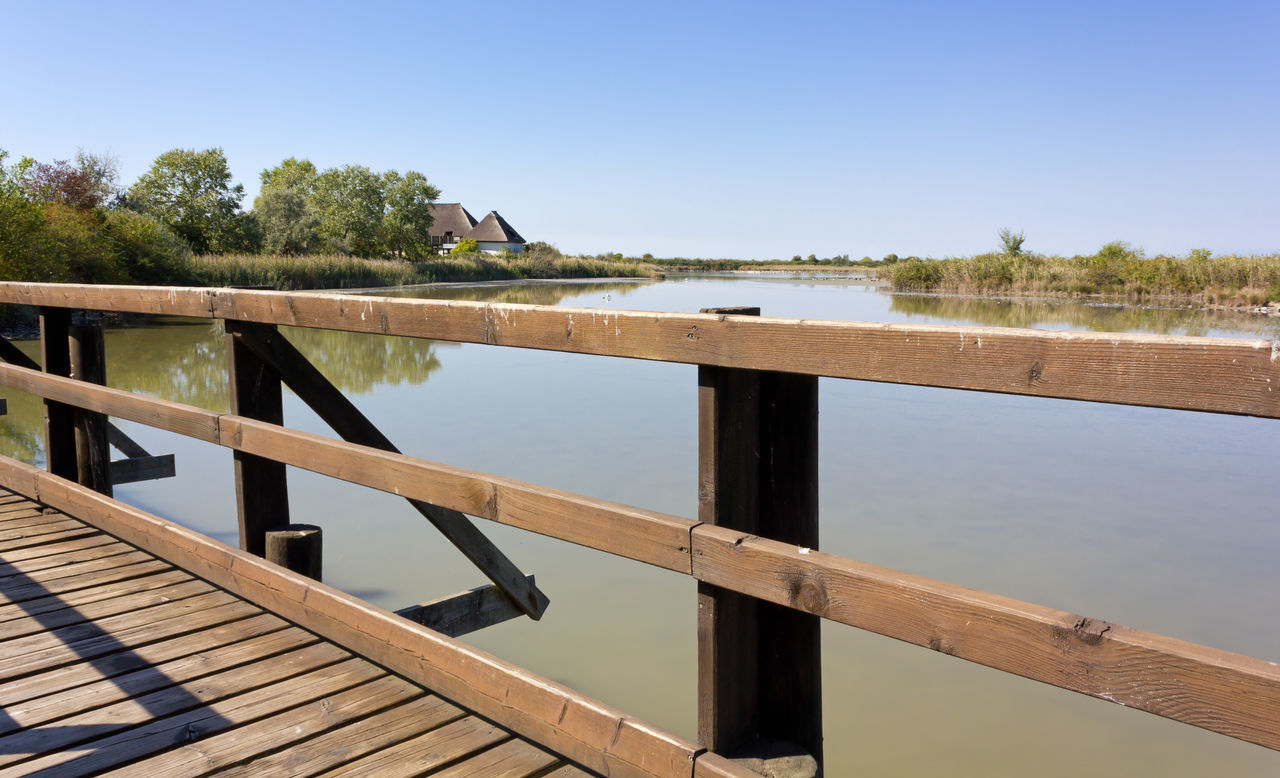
464 612
262 495
59 420
289 365
1220 375
759 664
145 468
88 363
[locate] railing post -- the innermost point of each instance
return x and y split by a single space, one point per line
262 496
59 427
297 547
88 363
759 664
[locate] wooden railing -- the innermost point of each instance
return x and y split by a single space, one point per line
763 585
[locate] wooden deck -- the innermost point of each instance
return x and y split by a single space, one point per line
113 661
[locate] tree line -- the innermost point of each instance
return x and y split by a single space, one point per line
71 220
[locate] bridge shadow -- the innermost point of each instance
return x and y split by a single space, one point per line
87 642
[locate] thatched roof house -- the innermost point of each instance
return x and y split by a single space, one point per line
492 234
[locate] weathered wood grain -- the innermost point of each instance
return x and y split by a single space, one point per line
351 742
427 751
88 363
512 759
1211 689
59 426
584 730
73 600
1207 374
464 612
137 657
143 468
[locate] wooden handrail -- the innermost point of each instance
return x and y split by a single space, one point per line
1219 375
1208 688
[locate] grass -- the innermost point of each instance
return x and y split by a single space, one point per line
343 272
1115 271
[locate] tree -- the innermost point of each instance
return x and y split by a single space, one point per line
349 204
1012 241
191 192
407 221
296 174
287 223
465 246
86 185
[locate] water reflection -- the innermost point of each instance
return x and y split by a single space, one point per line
1074 315
523 293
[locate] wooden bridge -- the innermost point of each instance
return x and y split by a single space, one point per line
129 643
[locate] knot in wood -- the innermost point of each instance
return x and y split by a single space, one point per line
806 592
1037 371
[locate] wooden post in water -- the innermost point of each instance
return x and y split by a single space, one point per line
59 427
759 664
88 363
262 497
297 547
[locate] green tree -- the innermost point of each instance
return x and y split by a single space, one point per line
296 174
287 223
349 204
407 221
191 192
465 246
1012 241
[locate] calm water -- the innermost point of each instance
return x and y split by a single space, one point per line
1147 518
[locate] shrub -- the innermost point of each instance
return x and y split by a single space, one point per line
150 252
465 246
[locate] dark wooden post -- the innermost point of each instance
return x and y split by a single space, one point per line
262 496
297 547
88 363
59 427
759 664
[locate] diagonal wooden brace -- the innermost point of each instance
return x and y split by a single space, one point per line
296 371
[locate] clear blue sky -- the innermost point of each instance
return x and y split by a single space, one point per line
730 129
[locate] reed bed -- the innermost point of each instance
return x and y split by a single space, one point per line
344 272
1116 271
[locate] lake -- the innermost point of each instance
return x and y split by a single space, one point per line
1153 519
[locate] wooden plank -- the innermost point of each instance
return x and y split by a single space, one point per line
352 741
464 612
151 735
32 608
59 703
137 657
713 765
125 444
41 528
123 602
1208 374
88 363
262 494
15 544
24 518
16 666
64 547
1211 689
131 557
164 301
289 365
647 536
55 358
512 759
183 419
31 590
425 752
584 730
571 771
288 730
74 555
108 627
145 468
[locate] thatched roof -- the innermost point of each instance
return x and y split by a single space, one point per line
494 229
450 217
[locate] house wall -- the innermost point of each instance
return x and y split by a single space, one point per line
497 248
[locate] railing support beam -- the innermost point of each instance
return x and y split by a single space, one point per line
93 454
759 664
59 422
262 495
